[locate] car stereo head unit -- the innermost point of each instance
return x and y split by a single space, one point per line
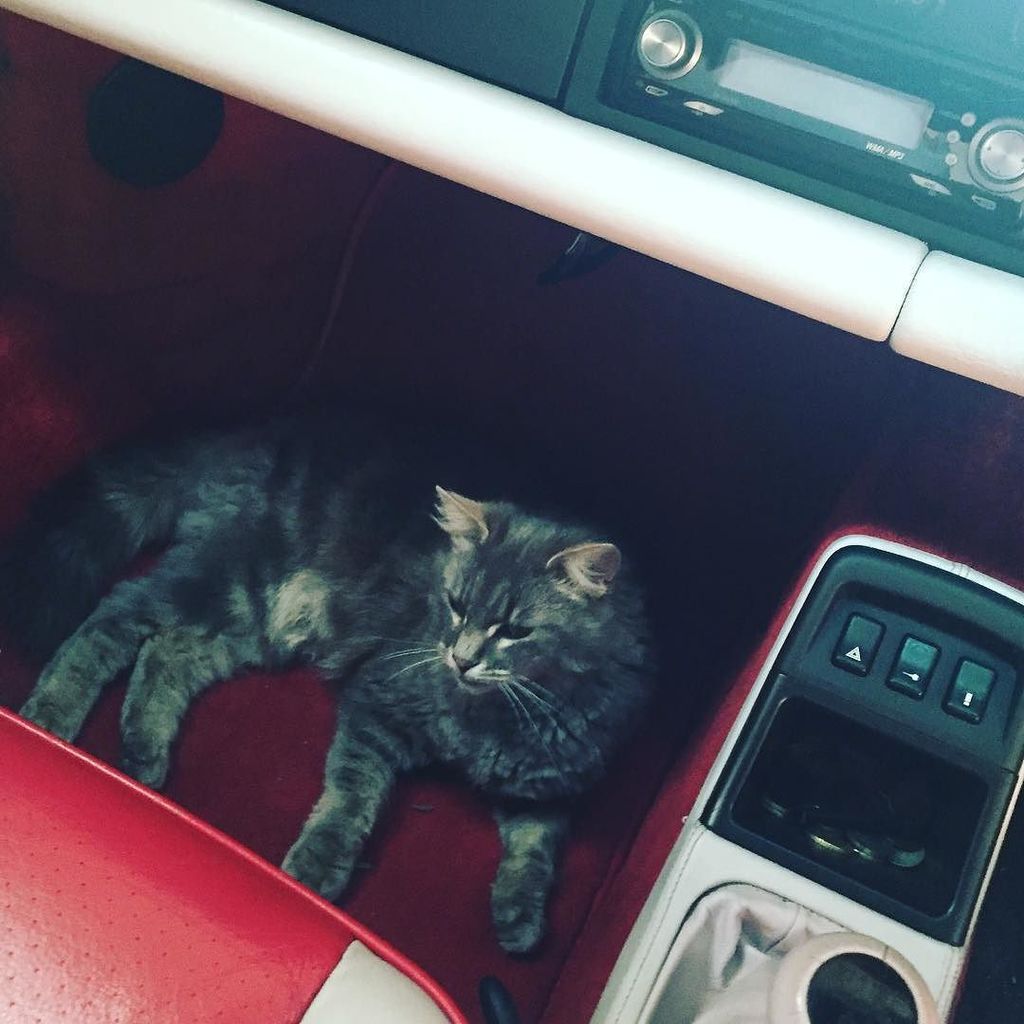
918 103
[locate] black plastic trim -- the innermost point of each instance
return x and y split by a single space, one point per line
526 46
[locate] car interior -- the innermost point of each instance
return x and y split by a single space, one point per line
739 280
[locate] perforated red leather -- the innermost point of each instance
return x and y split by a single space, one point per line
118 908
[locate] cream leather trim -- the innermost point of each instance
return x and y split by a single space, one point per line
965 318
794 978
364 988
701 860
808 258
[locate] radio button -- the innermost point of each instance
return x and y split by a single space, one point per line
700 107
969 694
936 188
996 212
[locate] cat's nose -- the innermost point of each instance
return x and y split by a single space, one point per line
467 649
462 662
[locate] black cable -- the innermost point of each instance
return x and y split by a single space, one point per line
497 1003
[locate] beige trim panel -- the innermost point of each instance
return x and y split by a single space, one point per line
701 862
365 988
966 318
817 261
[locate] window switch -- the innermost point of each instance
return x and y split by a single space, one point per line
971 689
913 668
858 645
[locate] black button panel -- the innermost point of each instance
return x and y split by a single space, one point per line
858 645
912 671
932 674
970 691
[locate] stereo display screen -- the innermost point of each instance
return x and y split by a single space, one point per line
825 95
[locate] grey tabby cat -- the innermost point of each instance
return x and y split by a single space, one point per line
511 646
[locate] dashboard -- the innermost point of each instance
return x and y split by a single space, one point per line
861 164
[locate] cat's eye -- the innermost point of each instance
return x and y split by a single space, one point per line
457 607
513 631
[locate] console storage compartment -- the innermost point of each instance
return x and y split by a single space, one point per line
830 796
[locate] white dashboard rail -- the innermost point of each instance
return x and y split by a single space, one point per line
966 318
820 262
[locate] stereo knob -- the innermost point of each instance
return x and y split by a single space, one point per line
663 43
997 156
669 44
1001 155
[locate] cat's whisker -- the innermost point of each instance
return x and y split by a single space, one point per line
533 684
533 725
550 711
518 705
415 664
522 688
386 639
535 687
536 696
547 714
513 696
506 679
515 707
408 653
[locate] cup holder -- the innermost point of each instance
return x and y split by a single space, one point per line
846 978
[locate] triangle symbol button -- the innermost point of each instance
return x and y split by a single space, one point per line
854 655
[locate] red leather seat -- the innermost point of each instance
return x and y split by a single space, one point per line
117 907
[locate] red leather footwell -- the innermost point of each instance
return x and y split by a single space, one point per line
116 907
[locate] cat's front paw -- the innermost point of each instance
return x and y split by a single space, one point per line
321 860
147 735
146 765
519 919
50 714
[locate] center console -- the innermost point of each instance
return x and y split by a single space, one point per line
863 791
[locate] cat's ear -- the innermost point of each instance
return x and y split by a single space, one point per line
587 569
463 519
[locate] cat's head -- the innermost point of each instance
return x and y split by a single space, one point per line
523 600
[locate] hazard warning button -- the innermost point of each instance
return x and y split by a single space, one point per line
858 644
